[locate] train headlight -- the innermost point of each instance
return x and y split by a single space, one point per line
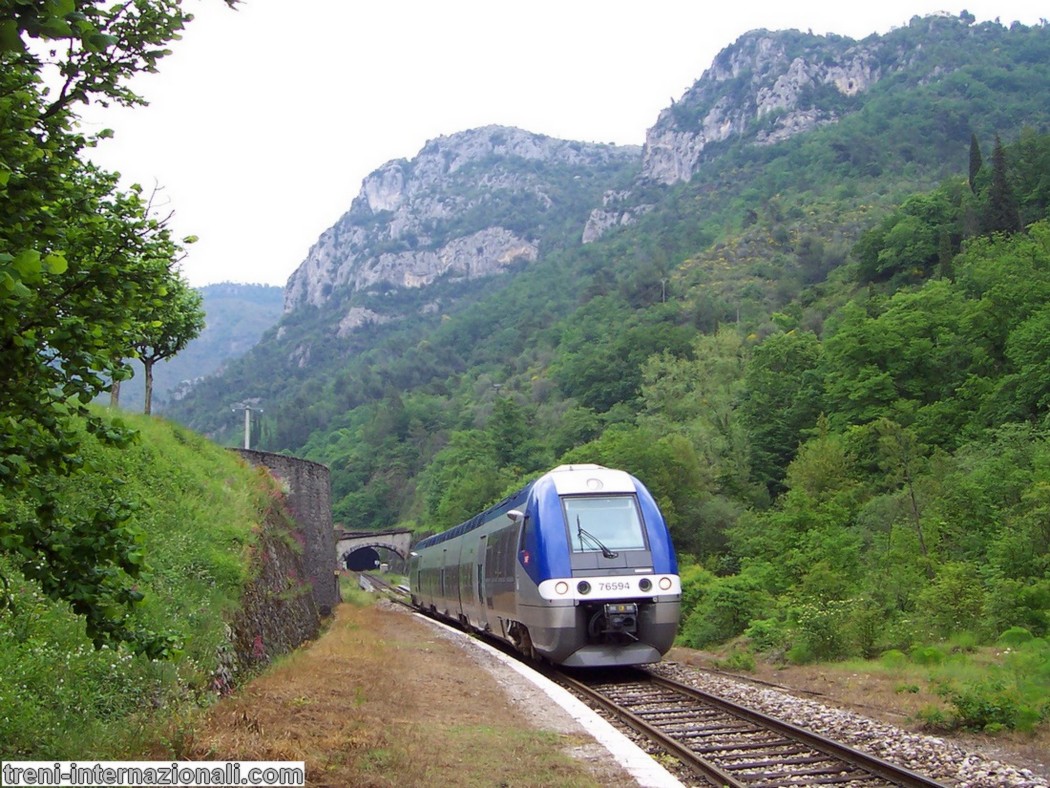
561 588
665 583
645 584
583 587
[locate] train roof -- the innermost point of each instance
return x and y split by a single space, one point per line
575 479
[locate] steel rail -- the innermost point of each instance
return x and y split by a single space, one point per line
862 760
676 748
870 765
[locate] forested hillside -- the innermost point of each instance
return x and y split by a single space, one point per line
826 352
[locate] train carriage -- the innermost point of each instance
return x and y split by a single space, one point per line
576 568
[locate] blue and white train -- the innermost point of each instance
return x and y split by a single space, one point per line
577 568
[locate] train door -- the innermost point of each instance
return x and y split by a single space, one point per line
479 579
464 572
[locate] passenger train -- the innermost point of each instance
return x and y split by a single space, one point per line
577 568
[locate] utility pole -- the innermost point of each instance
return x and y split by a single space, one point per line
247 408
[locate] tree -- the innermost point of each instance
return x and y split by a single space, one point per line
902 457
783 395
178 318
1001 214
81 267
976 161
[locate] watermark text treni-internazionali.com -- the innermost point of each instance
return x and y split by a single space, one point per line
127 774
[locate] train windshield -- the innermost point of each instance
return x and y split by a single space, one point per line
603 523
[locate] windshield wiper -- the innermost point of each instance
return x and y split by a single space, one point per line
593 539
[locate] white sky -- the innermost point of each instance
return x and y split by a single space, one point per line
264 121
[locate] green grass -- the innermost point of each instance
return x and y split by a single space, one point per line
197 507
1005 687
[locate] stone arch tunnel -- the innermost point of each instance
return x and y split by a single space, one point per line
352 547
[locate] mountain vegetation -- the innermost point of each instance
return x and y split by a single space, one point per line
811 315
825 354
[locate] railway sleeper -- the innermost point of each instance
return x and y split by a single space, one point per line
711 731
811 759
789 747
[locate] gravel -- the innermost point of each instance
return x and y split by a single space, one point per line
934 757
937 758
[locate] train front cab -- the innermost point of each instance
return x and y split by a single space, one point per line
605 589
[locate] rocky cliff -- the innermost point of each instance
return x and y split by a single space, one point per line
472 204
468 205
767 86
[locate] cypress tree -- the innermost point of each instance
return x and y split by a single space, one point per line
1001 214
975 162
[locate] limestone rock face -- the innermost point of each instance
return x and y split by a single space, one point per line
766 87
616 210
467 206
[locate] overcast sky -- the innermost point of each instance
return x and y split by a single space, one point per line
264 120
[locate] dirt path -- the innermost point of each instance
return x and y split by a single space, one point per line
383 699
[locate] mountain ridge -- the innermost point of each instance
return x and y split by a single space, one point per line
736 241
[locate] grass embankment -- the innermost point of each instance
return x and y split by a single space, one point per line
196 506
381 699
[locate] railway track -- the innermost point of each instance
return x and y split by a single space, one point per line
719 741
397 593
730 745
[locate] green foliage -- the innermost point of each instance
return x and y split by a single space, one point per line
1015 636
988 706
192 508
822 631
926 655
767 634
724 610
953 600
171 325
696 582
893 658
783 397
736 660
910 244
83 267
601 353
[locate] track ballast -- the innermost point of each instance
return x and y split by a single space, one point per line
729 745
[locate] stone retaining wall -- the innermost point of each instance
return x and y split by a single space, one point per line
308 498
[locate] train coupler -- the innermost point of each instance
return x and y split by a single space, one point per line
620 617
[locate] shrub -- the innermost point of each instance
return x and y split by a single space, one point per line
767 634
963 642
822 629
893 658
934 719
1013 603
867 624
953 601
737 660
725 611
1029 663
1014 636
927 655
988 706
195 508
696 583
